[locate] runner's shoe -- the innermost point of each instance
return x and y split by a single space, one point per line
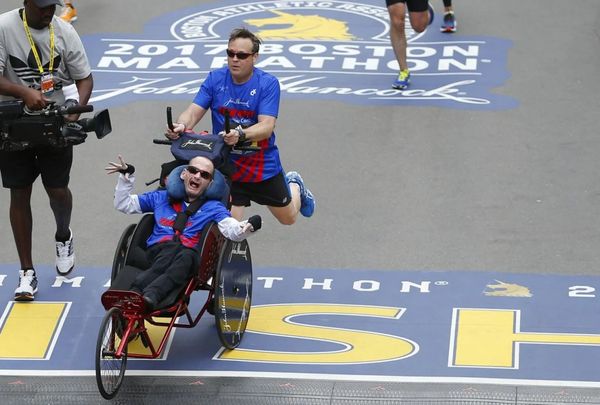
65 256
431 13
69 13
27 286
307 200
403 80
449 24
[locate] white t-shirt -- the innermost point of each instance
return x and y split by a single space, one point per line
17 61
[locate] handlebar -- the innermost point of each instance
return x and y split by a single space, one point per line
157 141
227 122
170 119
239 146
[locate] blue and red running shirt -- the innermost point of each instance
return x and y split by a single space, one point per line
245 102
165 213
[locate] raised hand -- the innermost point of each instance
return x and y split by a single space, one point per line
120 167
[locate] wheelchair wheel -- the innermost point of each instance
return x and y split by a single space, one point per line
110 370
233 292
121 252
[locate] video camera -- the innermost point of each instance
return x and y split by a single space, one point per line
22 129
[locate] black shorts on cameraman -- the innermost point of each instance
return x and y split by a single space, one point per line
20 169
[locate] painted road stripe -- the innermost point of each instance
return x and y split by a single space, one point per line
363 325
29 331
491 338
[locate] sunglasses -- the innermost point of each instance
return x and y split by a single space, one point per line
240 55
193 170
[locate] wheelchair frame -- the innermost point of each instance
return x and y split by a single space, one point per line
225 271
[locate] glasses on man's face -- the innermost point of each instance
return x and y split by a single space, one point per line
240 55
193 170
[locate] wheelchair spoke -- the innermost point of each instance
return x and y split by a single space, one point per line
110 368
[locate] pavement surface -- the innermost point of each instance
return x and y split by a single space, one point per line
499 175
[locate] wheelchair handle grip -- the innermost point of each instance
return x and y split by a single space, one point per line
170 119
162 141
227 122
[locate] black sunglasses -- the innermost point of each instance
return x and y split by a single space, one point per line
240 55
193 170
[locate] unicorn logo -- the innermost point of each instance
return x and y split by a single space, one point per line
298 26
502 289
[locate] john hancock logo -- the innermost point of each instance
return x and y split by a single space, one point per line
317 49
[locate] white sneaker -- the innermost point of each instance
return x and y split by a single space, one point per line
65 256
27 285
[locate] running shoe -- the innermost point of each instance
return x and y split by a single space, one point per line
27 285
403 80
65 256
307 200
69 13
449 24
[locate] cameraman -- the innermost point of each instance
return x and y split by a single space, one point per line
39 55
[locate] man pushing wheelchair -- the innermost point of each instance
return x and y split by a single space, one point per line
192 199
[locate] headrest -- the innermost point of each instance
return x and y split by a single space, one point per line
176 190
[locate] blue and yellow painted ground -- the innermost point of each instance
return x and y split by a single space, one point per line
363 325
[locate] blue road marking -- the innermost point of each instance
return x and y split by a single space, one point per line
547 305
343 54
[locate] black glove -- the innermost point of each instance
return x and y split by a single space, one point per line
68 104
256 222
73 133
130 169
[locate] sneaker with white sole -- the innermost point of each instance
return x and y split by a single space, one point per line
27 285
449 23
65 256
307 200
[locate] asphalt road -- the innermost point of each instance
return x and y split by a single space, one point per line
398 187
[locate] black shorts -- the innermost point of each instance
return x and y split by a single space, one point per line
21 168
412 5
273 192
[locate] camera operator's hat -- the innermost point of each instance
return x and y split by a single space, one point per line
46 3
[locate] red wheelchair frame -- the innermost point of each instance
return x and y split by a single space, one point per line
225 271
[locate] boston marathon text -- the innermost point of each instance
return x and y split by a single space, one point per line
145 57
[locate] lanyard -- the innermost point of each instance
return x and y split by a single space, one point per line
34 49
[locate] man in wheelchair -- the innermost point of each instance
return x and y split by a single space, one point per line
192 199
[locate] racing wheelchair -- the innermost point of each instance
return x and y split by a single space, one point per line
224 273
